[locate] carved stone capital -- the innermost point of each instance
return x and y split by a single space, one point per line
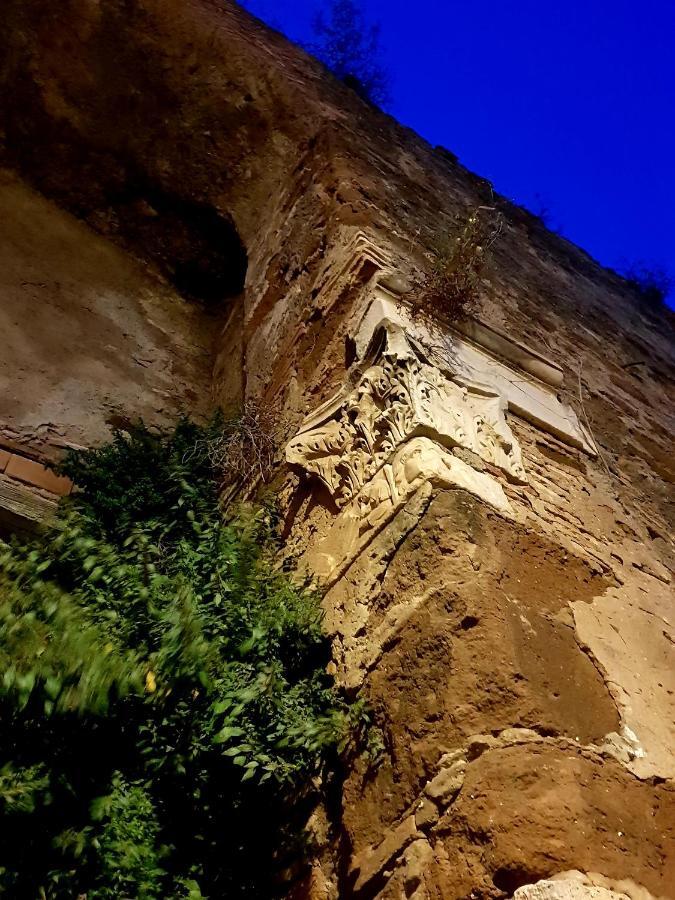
422 409
399 395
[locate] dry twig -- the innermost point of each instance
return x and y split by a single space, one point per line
247 445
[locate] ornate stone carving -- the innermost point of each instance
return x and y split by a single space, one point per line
419 464
526 382
422 410
400 395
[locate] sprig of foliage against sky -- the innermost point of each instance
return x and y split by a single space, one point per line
350 46
341 35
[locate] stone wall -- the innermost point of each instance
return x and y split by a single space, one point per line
491 509
90 339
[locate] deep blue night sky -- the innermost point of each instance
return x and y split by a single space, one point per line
569 106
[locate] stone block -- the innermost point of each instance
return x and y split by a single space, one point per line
566 890
452 756
368 864
426 814
5 457
517 736
478 744
447 784
416 861
21 508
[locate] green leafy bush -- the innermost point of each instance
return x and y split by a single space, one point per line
167 721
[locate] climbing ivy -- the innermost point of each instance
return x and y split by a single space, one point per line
166 717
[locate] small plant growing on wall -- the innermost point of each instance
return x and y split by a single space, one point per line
450 291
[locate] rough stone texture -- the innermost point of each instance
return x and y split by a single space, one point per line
528 811
21 508
578 886
566 890
534 650
490 647
370 865
563 811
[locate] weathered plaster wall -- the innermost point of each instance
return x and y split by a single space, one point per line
90 338
521 661
88 334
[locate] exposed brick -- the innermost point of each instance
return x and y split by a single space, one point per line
31 472
5 456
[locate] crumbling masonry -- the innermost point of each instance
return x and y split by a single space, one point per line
192 212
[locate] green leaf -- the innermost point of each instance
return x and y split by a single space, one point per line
227 733
164 640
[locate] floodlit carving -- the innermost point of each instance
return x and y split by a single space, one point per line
419 464
400 395
525 380
422 410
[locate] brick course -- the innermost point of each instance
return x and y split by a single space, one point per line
34 473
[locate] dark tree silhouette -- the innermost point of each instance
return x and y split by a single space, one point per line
652 282
350 47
